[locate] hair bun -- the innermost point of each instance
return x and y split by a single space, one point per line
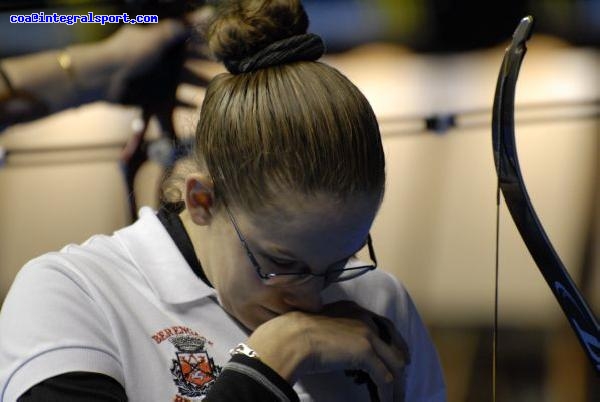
251 34
296 48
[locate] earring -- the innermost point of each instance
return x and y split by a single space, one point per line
204 199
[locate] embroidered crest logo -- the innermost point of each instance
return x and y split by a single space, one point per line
193 369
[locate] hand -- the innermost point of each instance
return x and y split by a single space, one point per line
138 65
148 62
343 336
150 65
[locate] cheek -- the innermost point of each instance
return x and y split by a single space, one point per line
242 293
240 289
249 303
262 305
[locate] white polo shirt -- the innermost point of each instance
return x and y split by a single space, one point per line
129 306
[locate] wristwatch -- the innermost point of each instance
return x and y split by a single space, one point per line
243 349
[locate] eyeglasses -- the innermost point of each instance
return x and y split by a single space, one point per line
352 268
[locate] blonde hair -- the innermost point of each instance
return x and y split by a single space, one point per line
298 126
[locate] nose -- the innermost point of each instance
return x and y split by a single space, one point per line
305 298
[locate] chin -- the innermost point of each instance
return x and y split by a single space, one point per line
255 316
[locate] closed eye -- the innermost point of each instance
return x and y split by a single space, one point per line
288 263
280 262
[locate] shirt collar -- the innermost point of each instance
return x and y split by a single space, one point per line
159 260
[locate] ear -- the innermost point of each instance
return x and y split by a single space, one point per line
199 198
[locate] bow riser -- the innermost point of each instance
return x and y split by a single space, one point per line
510 182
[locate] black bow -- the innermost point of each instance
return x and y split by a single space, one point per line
510 182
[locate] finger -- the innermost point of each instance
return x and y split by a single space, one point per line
393 360
172 31
380 325
392 336
381 376
184 104
395 363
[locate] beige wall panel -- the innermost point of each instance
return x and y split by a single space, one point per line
436 228
51 198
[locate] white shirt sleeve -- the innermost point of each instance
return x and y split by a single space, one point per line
50 325
425 380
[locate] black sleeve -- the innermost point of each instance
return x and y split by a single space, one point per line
245 379
76 387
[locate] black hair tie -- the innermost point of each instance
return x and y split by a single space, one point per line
306 47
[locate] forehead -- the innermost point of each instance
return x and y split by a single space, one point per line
311 226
